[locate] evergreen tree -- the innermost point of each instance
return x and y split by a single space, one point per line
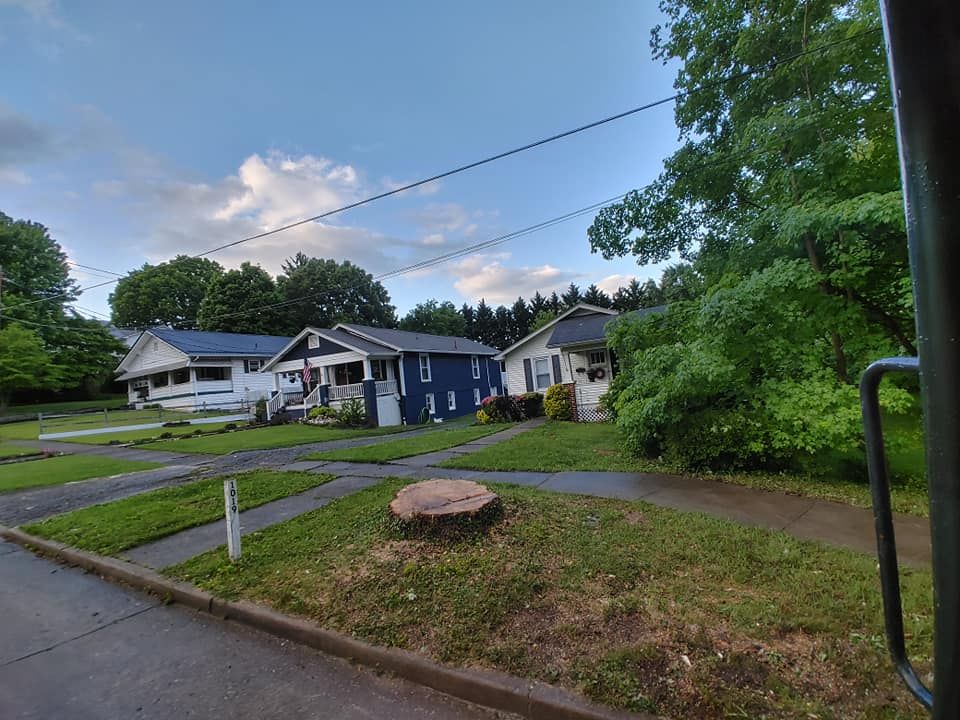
596 296
538 303
522 317
469 316
504 330
483 324
555 306
571 296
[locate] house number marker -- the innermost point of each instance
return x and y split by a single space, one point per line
233 518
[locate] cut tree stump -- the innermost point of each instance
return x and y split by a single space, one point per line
444 504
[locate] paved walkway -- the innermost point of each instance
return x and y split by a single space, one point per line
76 647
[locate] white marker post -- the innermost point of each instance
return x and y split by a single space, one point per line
233 518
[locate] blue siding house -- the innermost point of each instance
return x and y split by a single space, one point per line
402 377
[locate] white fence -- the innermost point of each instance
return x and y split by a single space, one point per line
345 392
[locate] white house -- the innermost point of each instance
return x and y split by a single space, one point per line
571 350
193 370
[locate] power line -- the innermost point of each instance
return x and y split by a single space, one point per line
514 151
90 267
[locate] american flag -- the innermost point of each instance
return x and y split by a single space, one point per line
307 371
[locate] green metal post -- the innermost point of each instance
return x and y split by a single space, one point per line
923 49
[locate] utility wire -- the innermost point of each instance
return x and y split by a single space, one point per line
90 267
522 148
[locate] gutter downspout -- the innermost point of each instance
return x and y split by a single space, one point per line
193 383
403 392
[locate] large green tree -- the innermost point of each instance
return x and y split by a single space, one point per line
240 301
24 363
166 294
435 318
783 201
323 293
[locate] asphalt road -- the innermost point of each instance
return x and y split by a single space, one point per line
73 646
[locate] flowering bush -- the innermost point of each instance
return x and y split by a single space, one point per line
557 403
502 408
532 404
322 415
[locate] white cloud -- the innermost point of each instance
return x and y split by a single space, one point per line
434 239
612 283
486 276
12 176
44 11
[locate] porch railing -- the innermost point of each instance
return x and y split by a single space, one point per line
386 387
345 392
312 400
274 404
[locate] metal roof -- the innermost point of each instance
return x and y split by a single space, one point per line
579 329
220 344
406 341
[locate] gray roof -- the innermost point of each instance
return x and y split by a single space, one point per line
579 329
219 344
357 342
422 342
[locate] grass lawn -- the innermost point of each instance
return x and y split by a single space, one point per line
558 446
64 469
30 430
408 447
154 433
116 526
277 436
110 402
12 451
632 605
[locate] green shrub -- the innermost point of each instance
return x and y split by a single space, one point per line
557 403
503 408
260 410
352 413
532 404
322 411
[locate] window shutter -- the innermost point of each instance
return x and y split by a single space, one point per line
246 366
557 377
528 374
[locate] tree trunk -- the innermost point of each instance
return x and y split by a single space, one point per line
835 340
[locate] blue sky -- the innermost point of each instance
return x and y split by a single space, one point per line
139 131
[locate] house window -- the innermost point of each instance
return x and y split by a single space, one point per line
476 396
379 369
348 373
598 357
493 391
430 405
160 380
541 373
475 366
451 400
209 374
181 376
425 368
252 366
313 342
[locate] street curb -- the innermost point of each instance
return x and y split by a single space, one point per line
494 690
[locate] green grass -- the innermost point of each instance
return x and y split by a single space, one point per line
110 402
30 430
151 434
12 451
114 527
604 597
277 436
408 447
64 469
558 446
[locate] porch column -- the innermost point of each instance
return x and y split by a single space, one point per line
370 394
323 394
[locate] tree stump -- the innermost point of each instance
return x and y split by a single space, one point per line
444 506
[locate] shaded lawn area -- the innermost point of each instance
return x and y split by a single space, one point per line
64 469
30 430
559 446
277 436
113 527
602 596
408 447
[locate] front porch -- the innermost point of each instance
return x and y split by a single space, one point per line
591 369
331 384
